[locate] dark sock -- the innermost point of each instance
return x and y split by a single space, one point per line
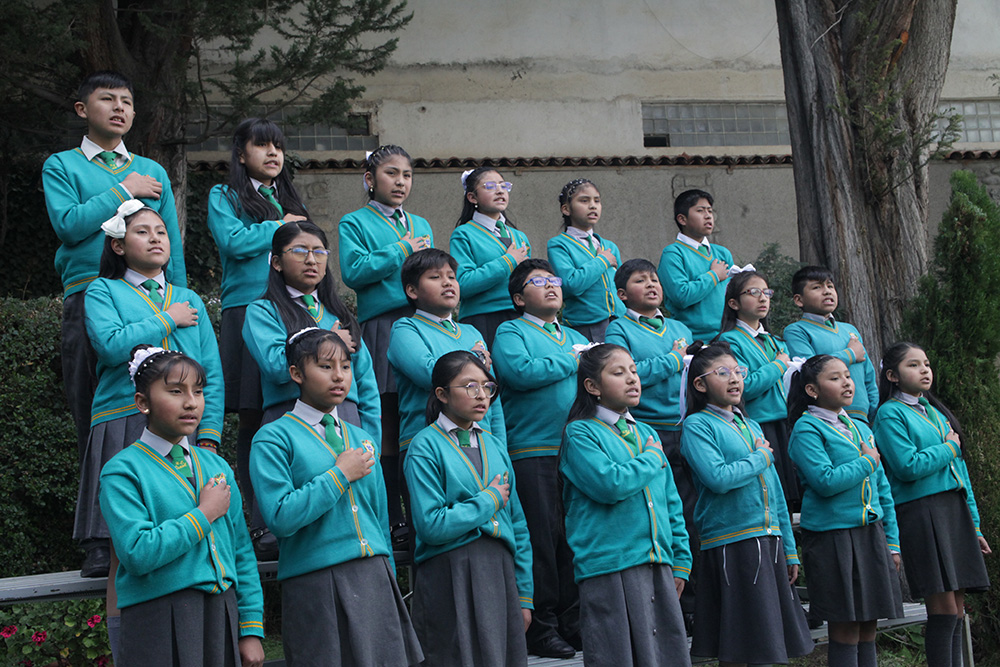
938 638
957 659
842 655
866 654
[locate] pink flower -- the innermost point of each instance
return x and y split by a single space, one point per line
27 663
8 631
101 661
39 637
94 620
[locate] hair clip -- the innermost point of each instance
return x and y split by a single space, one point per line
140 357
115 225
465 177
301 332
733 270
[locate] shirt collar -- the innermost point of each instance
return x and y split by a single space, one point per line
909 399
434 318
635 316
296 294
610 417
161 446
687 240
725 414
829 416
486 221
578 233
387 211
91 149
311 415
740 324
539 321
256 186
137 279
818 319
449 427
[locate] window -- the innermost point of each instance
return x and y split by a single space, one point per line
310 137
714 124
980 119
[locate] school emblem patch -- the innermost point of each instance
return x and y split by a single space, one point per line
369 446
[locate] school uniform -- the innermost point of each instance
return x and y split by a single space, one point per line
473 553
935 507
340 603
625 524
814 334
693 293
188 589
120 315
848 520
591 299
746 609
537 373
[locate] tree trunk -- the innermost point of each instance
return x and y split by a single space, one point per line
862 81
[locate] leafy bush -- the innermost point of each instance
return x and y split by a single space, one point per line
778 269
71 633
27 240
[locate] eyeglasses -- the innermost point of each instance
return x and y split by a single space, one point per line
493 185
755 292
724 372
298 252
542 281
473 388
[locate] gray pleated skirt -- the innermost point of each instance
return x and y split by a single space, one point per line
239 369
106 439
375 333
345 615
188 628
746 611
632 617
939 545
487 323
850 574
466 608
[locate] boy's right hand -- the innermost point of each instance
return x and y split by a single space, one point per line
720 268
502 489
855 346
518 253
355 463
870 452
292 217
608 255
141 186
417 243
183 314
214 499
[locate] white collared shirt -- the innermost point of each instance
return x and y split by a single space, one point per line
256 186
434 318
911 400
818 319
488 222
313 417
581 235
832 418
728 415
635 316
137 279
610 417
687 240
91 150
388 212
540 322
163 447
449 427
297 296
746 327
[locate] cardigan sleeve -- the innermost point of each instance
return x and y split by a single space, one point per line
249 593
362 265
679 288
210 427
522 540
600 477
576 278
699 446
235 238
904 458
369 402
409 354
112 337
73 220
521 369
807 449
475 276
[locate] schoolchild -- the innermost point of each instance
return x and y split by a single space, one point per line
744 328
242 217
818 332
624 521
586 262
747 609
472 595
83 188
850 541
487 246
535 362
322 495
941 541
692 270
187 579
373 243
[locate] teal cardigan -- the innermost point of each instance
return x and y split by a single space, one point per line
658 365
319 518
739 493
452 504
244 247
918 460
622 509
693 293
371 255
415 345
763 390
120 316
588 280
165 543
537 374
484 265
82 194
843 488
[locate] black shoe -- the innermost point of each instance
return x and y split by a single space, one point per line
98 561
265 544
574 640
551 646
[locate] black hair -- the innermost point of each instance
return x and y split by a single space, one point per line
472 182
687 199
515 284
891 358
592 362
380 155
292 315
113 265
240 192
309 345
798 399
103 79
630 268
158 365
567 193
416 264
734 290
807 273
446 369
704 357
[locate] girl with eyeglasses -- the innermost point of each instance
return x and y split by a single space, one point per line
586 262
744 328
746 609
472 595
487 246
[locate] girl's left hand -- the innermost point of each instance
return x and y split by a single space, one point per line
793 574
897 560
526 617
345 335
984 546
251 652
483 354
679 585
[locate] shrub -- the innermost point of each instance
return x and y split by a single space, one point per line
778 269
70 633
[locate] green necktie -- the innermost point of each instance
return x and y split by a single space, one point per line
463 437
829 323
655 322
334 440
628 434
109 158
742 426
592 243
311 306
180 465
269 196
768 343
449 325
397 217
153 288
502 228
855 436
551 327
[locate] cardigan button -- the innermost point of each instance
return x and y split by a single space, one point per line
364 543
495 522
354 508
768 531
650 504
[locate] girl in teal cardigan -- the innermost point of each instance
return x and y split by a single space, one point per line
187 581
624 521
850 542
942 544
487 246
472 597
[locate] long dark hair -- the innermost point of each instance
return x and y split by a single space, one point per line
377 157
592 362
566 195
472 182
160 364
733 291
294 316
240 191
446 369
113 265
701 363
798 399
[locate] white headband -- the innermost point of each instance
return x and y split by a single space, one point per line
141 356
301 332
115 226
465 176
733 270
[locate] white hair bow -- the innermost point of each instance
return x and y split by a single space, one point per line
580 348
733 270
141 356
684 384
115 226
465 176
794 366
